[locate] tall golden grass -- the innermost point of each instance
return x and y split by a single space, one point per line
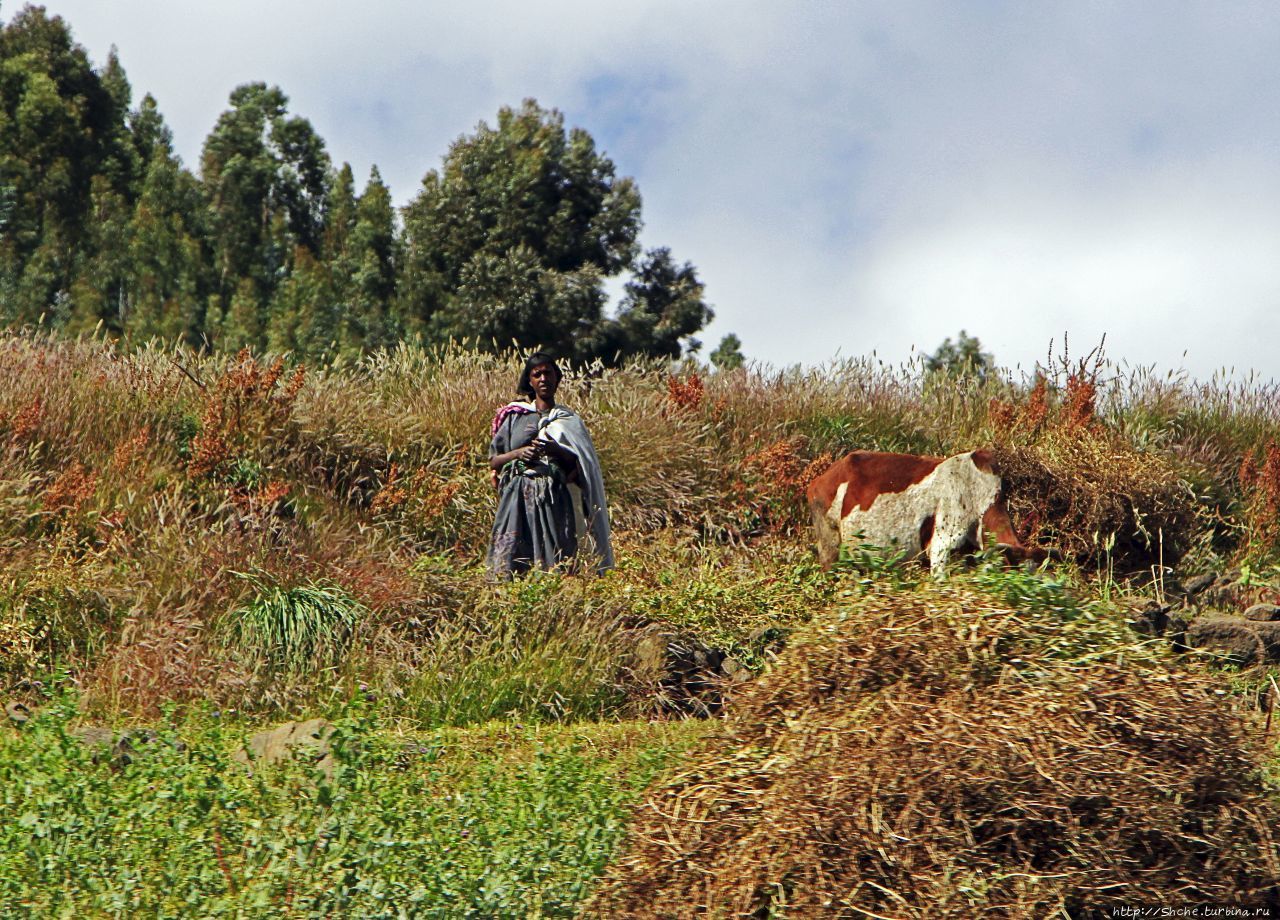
134 485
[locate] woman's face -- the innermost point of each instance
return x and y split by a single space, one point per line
544 378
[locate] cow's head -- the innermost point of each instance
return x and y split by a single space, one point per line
996 522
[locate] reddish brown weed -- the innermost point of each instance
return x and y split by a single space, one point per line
26 422
70 490
391 496
244 407
1260 482
775 479
687 393
1037 408
129 450
1080 404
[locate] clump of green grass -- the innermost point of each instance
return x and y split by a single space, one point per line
304 627
58 613
733 598
545 647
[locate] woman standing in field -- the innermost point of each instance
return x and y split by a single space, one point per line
550 492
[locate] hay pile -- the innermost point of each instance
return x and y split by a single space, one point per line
1096 498
930 755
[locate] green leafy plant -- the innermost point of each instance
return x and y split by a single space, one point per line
496 821
296 628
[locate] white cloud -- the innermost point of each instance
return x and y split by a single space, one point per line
1168 264
845 176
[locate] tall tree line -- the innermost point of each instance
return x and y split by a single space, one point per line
271 246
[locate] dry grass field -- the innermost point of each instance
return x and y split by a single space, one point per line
197 547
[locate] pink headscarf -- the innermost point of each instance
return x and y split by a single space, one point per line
511 408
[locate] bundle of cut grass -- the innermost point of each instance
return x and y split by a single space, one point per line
1097 498
934 754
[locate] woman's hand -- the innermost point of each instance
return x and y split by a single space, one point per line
530 453
535 452
551 449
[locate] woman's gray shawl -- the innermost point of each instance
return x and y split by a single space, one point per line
590 508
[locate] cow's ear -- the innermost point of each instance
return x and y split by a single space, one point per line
983 460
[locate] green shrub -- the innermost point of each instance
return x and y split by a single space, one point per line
499 821
56 617
306 627
735 599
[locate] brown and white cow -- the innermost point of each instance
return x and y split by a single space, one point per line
912 504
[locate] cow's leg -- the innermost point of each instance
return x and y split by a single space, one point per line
826 534
939 554
949 535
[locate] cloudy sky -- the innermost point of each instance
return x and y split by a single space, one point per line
846 176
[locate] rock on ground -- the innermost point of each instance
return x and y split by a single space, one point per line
306 741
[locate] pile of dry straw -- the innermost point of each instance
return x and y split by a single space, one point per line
936 754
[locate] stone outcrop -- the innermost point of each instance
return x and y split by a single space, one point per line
1246 642
1221 613
120 747
1263 613
306 741
680 672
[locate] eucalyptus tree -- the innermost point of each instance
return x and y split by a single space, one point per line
662 308
513 238
168 261
266 178
64 163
